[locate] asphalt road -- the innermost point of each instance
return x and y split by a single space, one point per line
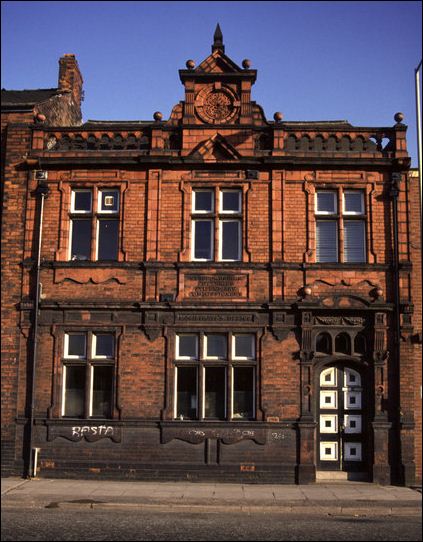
120 524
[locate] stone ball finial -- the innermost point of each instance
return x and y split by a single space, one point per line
157 116
307 290
399 117
278 116
190 64
246 63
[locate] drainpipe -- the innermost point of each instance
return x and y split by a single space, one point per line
419 130
41 191
394 192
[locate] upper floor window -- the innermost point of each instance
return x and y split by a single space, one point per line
216 225
88 374
94 229
340 235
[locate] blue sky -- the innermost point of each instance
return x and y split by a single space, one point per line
315 60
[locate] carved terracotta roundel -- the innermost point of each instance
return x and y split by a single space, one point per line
216 106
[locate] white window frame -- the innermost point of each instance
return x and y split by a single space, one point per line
201 211
97 234
100 209
91 391
238 221
336 222
88 363
353 213
233 368
197 406
63 389
230 211
94 346
253 344
335 201
193 229
71 239
66 346
203 400
178 356
78 211
205 346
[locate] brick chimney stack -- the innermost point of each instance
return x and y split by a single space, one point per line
70 78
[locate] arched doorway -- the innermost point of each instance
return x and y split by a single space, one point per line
342 420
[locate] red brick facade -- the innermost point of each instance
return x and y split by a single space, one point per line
187 316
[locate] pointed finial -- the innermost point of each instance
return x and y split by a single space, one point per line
218 40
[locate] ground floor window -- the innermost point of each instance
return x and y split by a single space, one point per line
215 376
88 374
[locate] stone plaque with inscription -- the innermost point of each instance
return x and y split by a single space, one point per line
215 286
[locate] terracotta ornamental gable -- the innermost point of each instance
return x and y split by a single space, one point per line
215 148
218 62
217 91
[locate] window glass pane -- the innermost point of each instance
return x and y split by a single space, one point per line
102 391
230 240
108 237
215 383
353 202
74 391
326 202
186 394
203 239
104 345
323 343
326 241
109 201
187 346
343 343
231 201
354 241
76 345
244 346
243 393
216 346
81 239
203 201
82 201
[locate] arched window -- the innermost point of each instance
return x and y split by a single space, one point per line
343 343
324 343
360 344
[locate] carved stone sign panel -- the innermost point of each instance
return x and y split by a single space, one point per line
217 286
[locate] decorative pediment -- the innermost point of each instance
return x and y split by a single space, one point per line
218 62
215 148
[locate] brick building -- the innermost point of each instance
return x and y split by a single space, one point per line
212 296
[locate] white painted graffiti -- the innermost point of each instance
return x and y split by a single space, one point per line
93 430
196 433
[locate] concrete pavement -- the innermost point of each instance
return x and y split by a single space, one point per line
332 498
